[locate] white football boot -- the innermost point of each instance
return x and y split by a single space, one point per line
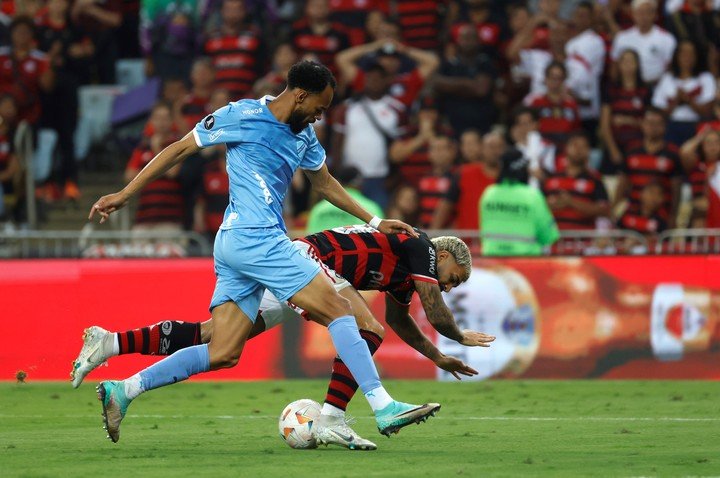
97 348
333 430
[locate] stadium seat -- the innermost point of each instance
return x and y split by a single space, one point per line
130 72
96 103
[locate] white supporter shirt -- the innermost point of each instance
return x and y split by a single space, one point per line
655 49
701 88
365 147
585 62
532 65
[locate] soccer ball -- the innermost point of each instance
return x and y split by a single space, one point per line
296 422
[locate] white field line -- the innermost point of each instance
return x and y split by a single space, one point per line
478 418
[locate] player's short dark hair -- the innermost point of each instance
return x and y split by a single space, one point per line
23 20
310 76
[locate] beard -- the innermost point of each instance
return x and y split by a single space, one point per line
297 121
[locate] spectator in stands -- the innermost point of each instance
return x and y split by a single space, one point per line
556 109
433 187
404 205
586 52
685 93
70 53
421 23
315 34
160 206
700 156
647 218
514 217
169 37
101 20
358 17
477 13
209 205
326 216
390 54
364 128
196 105
525 137
465 85
410 152
24 71
274 82
10 172
624 102
652 159
577 196
654 46
479 169
697 21
237 51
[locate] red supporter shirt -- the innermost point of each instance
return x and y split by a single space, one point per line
417 165
465 192
642 167
642 224
556 119
237 60
194 108
630 103
405 86
160 201
431 190
21 79
587 187
371 260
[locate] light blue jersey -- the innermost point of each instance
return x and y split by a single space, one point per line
262 156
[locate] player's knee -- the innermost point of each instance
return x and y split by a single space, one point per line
223 357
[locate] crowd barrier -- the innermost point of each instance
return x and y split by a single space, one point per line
603 317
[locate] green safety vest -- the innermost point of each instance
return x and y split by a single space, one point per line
515 221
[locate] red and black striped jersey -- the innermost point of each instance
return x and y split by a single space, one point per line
237 60
324 46
642 167
371 260
215 191
420 22
161 201
586 187
194 108
626 104
417 165
642 224
556 120
431 190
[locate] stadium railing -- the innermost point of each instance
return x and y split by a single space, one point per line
107 244
688 241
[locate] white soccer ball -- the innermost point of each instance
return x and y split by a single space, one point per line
296 422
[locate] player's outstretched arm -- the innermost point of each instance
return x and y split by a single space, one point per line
398 318
165 159
329 188
442 320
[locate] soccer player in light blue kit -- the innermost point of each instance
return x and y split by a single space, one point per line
267 140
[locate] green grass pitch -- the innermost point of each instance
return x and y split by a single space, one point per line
495 428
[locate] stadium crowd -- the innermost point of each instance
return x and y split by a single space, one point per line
614 104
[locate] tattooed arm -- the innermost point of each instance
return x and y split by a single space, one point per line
442 320
397 317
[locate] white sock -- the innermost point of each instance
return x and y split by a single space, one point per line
116 345
331 410
378 398
133 386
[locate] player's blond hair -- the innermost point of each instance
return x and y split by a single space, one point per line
459 250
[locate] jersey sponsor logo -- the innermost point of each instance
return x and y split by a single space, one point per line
216 134
166 327
433 259
209 122
253 111
354 229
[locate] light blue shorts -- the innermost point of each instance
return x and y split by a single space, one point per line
247 261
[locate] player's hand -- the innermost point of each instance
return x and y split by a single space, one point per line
472 338
106 205
455 366
393 226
